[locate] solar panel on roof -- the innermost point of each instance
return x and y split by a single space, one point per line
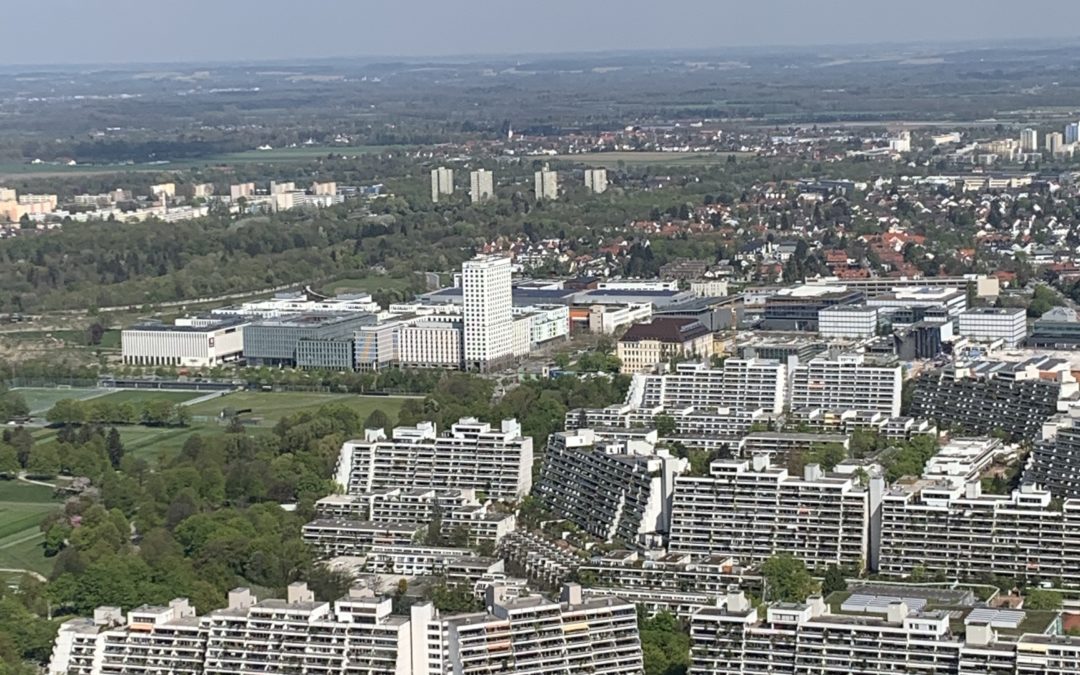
878 604
998 618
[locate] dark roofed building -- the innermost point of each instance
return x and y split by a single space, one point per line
645 346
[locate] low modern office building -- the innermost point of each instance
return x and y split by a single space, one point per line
1059 328
275 342
471 455
988 324
849 322
753 511
797 308
189 343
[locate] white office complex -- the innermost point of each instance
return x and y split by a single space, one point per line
948 301
1029 140
893 637
488 311
748 384
547 184
955 530
481 185
847 383
355 635
752 510
1055 142
442 182
187 343
988 324
472 455
848 322
596 180
432 342
611 490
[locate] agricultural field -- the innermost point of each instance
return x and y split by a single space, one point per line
22 508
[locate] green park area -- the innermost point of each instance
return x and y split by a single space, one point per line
40 399
267 408
258 410
612 160
22 507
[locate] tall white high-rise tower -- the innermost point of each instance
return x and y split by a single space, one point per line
489 322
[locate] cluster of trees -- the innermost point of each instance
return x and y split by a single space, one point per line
26 636
152 412
88 451
540 404
205 521
12 404
665 644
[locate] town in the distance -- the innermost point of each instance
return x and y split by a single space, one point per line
688 387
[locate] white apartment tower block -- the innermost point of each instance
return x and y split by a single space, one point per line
481 185
442 182
1029 140
596 180
488 311
547 184
847 383
753 511
473 455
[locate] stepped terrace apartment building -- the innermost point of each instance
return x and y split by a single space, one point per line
472 455
982 397
610 490
752 511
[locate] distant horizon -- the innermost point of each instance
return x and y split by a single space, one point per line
133 32
1018 44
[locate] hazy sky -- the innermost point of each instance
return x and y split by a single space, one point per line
109 31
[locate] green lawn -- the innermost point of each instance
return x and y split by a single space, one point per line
365 284
140 395
22 508
270 407
40 399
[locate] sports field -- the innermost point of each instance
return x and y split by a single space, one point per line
141 395
40 399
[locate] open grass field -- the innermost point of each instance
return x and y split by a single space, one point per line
302 154
22 508
40 399
270 407
140 395
611 159
364 284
